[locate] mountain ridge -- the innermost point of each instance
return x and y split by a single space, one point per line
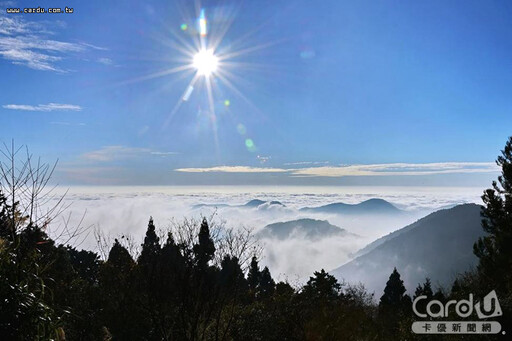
373 206
438 246
306 227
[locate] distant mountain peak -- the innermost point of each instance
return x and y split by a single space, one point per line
370 206
250 204
258 202
254 203
305 228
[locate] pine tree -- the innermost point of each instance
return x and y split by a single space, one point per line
425 290
267 284
119 257
322 286
151 245
205 248
494 249
394 291
253 277
393 306
5 224
231 277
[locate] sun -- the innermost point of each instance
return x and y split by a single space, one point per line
205 62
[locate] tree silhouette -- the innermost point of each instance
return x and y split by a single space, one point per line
254 274
494 249
394 305
267 284
150 247
322 286
394 292
424 290
205 248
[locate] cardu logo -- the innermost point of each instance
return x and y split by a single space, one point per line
488 308
491 306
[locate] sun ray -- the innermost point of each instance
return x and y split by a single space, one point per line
180 101
157 74
251 49
197 48
219 34
213 116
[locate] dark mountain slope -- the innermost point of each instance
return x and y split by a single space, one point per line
438 246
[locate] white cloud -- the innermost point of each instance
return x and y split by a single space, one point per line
300 163
398 169
232 169
43 107
389 169
105 61
125 211
164 153
33 60
111 153
12 24
25 43
94 47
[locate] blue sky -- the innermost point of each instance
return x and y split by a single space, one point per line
327 92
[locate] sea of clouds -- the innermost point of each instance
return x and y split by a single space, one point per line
125 211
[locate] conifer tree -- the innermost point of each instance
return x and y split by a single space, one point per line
425 290
322 286
204 250
253 277
267 284
119 257
394 292
231 279
494 250
394 305
151 245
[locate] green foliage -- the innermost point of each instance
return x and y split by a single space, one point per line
394 293
322 287
394 308
204 249
494 249
177 290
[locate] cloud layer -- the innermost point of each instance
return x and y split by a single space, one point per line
125 211
27 43
111 153
43 107
388 169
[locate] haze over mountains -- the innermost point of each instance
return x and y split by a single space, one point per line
370 206
303 228
438 246
125 211
250 204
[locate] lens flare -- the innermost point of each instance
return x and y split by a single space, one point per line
202 24
211 65
241 129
